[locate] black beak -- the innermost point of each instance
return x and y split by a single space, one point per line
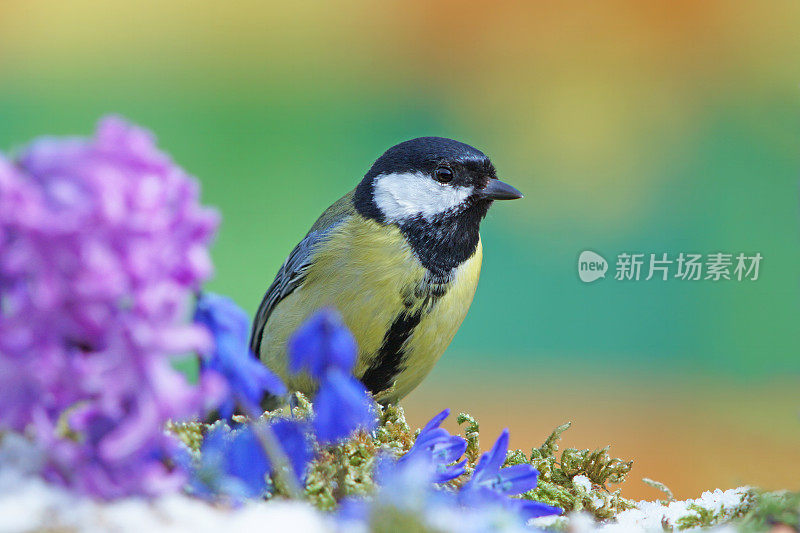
497 190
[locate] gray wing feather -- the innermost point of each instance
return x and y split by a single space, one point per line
290 276
293 272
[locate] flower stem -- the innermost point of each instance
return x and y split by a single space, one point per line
281 467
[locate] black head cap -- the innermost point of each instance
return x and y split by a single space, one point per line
426 153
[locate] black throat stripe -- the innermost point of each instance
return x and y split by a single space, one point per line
388 363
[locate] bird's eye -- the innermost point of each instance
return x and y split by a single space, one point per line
443 175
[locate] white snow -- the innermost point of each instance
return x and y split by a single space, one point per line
582 482
34 505
649 516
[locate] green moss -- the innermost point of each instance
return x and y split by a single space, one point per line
556 477
346 469
762 510
700 517
660 486
341 471
190 433
471 434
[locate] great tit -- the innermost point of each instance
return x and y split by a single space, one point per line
399 258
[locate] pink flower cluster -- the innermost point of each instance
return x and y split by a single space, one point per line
103 244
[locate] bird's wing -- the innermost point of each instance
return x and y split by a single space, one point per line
293 272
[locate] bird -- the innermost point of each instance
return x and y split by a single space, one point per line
398 257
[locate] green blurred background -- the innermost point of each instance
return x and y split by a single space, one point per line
631 127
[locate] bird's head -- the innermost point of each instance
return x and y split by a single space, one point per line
430 179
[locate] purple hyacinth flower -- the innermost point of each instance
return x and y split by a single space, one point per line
439 448
247 378
322 343
341 407
103 242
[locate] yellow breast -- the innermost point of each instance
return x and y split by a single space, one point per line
370 275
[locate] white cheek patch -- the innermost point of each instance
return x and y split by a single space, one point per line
402 196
